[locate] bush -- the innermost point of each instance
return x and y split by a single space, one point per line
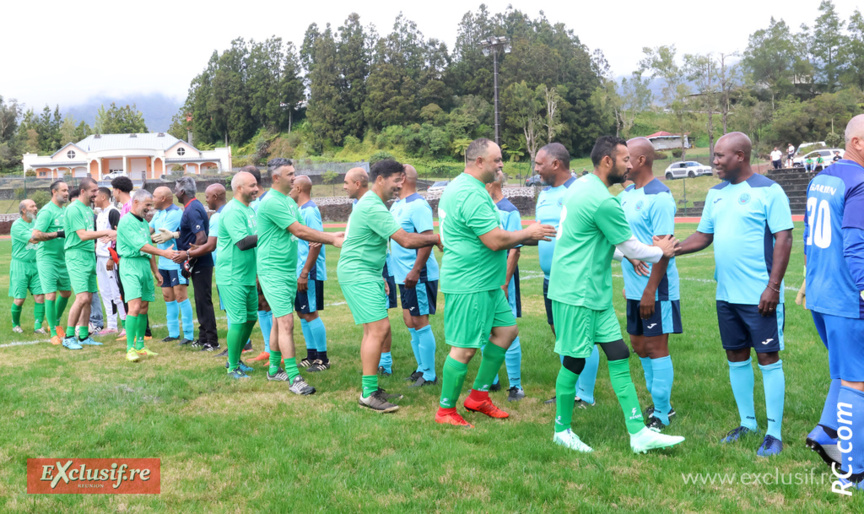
835 140
677 153
379 156
41 198
659 156
20 193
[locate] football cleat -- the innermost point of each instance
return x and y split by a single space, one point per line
650 439
568 439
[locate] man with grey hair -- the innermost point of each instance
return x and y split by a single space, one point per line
194 227
23 274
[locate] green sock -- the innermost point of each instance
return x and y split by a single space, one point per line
565 393
131 323
275 360
619 375
453 376
38 315
16 315
247 331
493 357
140 328
59 307
235 345
83 333
370 385
70 331
291 369
50 315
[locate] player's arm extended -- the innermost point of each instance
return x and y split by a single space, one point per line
39 236
88 235
422 256
697 242
208 247
500 239
412 240
314 236
635 250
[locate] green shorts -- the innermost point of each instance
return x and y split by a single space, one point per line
241 303
279 290
367 300
53 275
469 318
577 329
81 266
23 276
137 279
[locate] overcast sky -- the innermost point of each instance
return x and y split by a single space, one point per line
63 53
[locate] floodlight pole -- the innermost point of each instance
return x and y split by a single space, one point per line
494 45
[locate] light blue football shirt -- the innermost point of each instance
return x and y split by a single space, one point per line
743 218
650 211
511 221
214 229
548 212
414 215
312 219
833 230
168 218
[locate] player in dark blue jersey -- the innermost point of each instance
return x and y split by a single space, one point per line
747 217
834 248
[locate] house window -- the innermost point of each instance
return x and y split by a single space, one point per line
181 151
70 154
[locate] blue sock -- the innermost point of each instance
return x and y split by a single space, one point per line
386 362
415 347
186 317
311 344
171 314
774 382
588 377
741 378
426 350
319 335
513 363
850 407
648 369
265 321
661 389
829 412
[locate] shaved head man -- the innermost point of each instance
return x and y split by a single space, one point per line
747 218
23 274
165 227
356 183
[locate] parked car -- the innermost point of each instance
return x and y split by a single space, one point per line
534 180
688 169
113 175
438 186
827 156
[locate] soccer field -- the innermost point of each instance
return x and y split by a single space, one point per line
228 446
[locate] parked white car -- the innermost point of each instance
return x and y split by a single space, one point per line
827 157
438 186
688 169
113 175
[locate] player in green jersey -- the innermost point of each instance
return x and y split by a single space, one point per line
235 271
138 269
51 258
473 270
593 225
23 274
279 226
80 246
369 229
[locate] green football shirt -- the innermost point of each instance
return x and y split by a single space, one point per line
592 223
466 212
132 234
78 216
365 248
236 267
277 248
49 220
22 249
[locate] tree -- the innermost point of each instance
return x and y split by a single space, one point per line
325 112
701 70
119 120
70 132
636 97
525 110
660 62
852 54
329 177
825 41
353 59
775 60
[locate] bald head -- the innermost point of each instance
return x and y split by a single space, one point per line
162 197
732 157
214 195
855 128
303 183
855 140
410 173
735 142
356 183
245 187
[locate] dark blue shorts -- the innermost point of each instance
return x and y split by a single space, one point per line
547 302
172 277
311 300
741 326
666 319
844 338
420 300
391 297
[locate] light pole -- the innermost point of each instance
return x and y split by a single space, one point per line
495 45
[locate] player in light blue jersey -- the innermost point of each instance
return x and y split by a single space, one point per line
511 221
747 217
311 274
653 309
416 274
834 249
164 226
552 163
